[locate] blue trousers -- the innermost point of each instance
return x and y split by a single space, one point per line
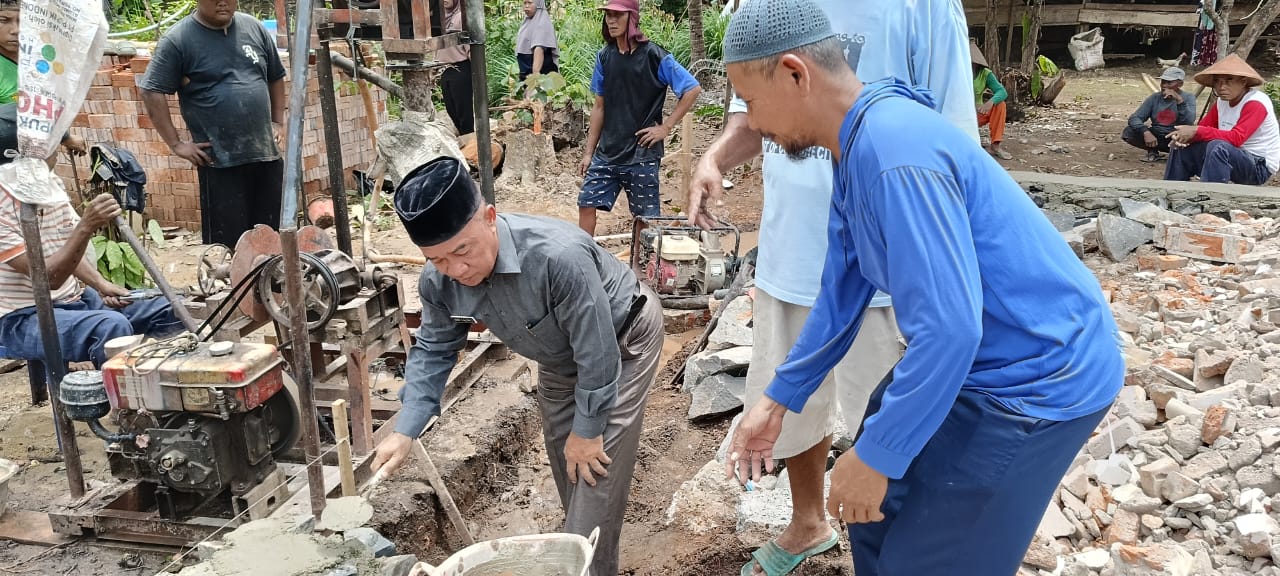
84 327
1216 161
972 499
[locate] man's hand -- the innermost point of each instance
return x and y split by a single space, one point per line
193 152
585 458
391 453
277 133
653 135
857 490
1183 135
100 211
112 294
986 107
1150 139
584 165
752 443
1171 94
74 145
706 188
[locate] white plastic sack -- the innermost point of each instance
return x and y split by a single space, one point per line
1086 49
61 44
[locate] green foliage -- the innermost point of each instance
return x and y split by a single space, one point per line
552 89
709 111
578 28
1272 90
118 263
713 27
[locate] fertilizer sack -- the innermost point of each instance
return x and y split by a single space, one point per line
1086 49
61 44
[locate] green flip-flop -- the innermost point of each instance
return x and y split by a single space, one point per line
775 561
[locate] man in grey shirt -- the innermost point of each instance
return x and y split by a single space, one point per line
551 294
1171 106
224 67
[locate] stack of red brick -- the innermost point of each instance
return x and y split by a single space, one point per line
113 113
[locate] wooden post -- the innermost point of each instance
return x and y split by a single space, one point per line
686 153
342 434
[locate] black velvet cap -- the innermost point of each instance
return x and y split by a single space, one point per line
436 200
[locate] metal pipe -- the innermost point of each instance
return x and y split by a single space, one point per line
346 65
333 147
474 24
55 365
110 437
301 360
179 310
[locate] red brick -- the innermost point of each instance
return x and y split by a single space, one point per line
130 135
127 93
102 77
122 79
99 94
144 121
155 149
81 120
126 107
101 121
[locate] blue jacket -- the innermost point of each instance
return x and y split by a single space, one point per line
987 293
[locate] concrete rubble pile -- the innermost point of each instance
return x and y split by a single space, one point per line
1180 477
716 377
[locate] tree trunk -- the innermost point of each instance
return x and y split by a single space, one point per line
1221 24
697 44
1031 45
991 43
1257 25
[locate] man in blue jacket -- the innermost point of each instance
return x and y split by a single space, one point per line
1012 355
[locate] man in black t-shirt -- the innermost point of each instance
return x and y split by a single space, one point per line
624 144
224 67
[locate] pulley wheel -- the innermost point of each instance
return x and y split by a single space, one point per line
251 249
213 271
319 288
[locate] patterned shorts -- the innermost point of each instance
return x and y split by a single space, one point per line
603 182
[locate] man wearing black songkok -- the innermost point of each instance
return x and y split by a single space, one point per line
551 294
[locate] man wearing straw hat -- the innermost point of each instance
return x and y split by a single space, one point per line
1238 141
551 294
1013 357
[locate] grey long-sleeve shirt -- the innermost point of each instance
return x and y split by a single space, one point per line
1164 114
555 297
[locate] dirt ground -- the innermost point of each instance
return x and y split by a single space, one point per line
1079 136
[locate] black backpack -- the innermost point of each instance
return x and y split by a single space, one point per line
119 171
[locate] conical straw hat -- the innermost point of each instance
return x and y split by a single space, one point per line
1232 65
975 54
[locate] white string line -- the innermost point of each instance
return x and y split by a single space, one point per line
178 561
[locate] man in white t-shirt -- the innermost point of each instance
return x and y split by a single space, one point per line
925 43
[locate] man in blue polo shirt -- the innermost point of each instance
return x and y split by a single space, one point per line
1012 355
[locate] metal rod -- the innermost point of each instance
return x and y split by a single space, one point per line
179 310
333 148
55 366
299 71
474 16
